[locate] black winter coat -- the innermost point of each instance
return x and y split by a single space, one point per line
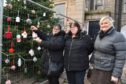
55 46
77 51
53 49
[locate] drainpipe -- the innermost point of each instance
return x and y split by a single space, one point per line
118 14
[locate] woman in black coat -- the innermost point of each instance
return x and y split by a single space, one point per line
78 46
53 51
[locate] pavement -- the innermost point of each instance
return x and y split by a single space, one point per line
63 80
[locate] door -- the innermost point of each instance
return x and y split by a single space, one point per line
93 29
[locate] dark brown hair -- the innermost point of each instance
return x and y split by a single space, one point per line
76 24
57 25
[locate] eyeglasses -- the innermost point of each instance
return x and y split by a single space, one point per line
72 27
56 29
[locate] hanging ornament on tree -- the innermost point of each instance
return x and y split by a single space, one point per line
18 18
24 33
52 5
31 52
54 15
11 50
38 24
9 6
39 72
9 19
24 2
28 20
7 61
8 34
44 14
13 67
25 7
8 81
18 38
25 70
34 59
34 35
48 26
38 48
19 62
33 11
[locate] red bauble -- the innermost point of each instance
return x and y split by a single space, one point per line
9 19
8 34
11 50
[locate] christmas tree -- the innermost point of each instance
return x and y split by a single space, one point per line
19 49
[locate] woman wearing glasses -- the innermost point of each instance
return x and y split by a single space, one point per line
78 46
54 46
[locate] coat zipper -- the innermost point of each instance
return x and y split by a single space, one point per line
69 54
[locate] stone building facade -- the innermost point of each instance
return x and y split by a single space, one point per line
88 12
71 8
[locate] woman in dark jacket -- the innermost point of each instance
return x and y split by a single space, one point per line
78 46
53 51
109 54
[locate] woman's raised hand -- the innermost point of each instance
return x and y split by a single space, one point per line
34 28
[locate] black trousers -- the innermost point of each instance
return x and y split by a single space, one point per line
76 77
53 80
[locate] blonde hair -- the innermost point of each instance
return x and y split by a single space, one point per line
111 21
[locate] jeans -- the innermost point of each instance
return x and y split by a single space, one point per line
76 77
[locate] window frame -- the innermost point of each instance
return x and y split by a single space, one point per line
124 6
97 6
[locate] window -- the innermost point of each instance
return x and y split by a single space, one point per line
98 4
87 5
94 4
124 6
60 9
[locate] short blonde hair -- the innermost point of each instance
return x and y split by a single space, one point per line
111 21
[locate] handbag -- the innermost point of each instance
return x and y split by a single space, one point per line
50 68
54 68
